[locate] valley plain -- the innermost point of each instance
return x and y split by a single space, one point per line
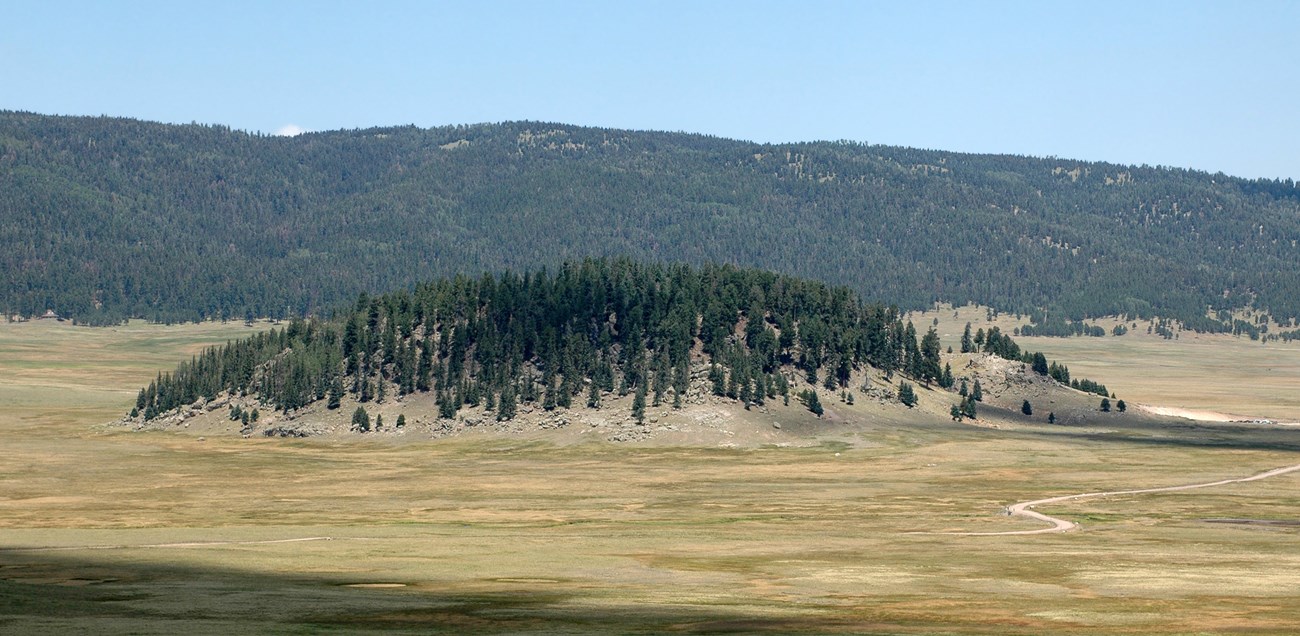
108 531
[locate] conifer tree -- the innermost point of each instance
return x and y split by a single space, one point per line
929 367
335 393
638 404
360 420
812 401
906 394
719 380
506 406
1040 364
1026 408
548 398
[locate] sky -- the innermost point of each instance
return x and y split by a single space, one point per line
1213 86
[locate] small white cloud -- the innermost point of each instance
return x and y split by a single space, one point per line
289 130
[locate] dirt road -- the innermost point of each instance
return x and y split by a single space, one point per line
1024 508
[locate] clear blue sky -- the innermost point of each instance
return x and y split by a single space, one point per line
1213 86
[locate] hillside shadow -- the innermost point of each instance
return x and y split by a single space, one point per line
62 592
1174 434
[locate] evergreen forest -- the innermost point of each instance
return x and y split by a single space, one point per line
569 339
103 219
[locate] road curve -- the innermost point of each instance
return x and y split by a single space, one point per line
1024 508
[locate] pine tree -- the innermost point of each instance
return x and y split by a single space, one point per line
906 394
638 404
360 420
719 380
966 344
335 393
929 368
968 407
446 405
661 376
954 410
564 395
1026 408
812 401
1105 405
1051 418
1121 406
548 399
976 393
401 420
506 406
1040 364
593 395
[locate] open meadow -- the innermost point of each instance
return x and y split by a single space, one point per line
108 531
1201 372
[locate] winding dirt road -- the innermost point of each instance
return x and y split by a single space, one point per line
1024 508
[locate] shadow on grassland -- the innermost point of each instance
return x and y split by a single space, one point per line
1176 433
43 592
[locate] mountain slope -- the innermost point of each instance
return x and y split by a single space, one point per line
105 218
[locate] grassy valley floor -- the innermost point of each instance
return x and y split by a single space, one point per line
108 531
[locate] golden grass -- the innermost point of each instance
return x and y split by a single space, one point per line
1211 372
516 535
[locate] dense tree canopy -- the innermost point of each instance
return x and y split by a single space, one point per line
551 338
104 218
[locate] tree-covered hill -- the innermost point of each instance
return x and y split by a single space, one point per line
590 329
574 337
103 218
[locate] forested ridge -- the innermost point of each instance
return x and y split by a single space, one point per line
103 219
589 329
571 338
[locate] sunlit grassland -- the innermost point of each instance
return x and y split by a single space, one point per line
1214 372
518 535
